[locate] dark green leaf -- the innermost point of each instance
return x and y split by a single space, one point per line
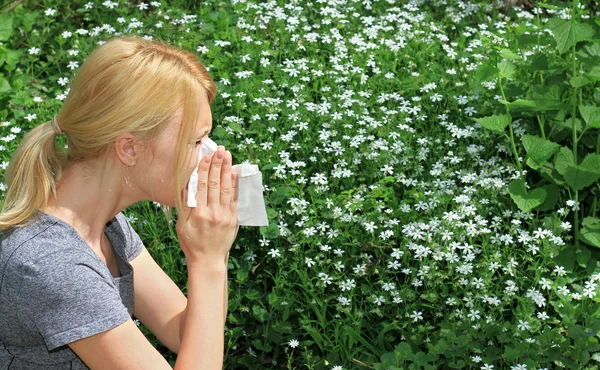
496 123
567 33
591 115
6 26
507 69
580 81
4 86
526 201
585 174
485 73
539 150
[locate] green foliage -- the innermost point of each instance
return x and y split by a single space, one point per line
401 235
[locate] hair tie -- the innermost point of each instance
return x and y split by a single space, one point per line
55 126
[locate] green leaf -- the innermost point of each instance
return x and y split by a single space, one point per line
590 232
594 74
260 313
539 150
509 54
3 55
4 86
280 194
551 198
507 69
270 232
235 127
485 73
567 33
580 176
583 256
591 223
496 123
526 201
6 26
580 81
591 115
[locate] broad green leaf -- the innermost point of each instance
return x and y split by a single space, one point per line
4 86
507 69
591 115
578 176
539 150
485 73
563 160
568 33
6 26
235 126
270 232
280 194
594 74
538 62
509 54
590 237
580 81
522 105
526 201
591 223
551 198
3 55
589 54
496 123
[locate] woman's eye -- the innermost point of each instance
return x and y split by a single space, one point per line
198 142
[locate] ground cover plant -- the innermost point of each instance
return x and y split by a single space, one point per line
430 171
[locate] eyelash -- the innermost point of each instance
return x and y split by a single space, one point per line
198 142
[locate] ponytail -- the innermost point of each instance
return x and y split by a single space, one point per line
31 177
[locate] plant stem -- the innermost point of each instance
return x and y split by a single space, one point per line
573 117
510 129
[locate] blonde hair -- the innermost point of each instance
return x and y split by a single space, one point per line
126 85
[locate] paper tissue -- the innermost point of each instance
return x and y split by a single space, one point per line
251 206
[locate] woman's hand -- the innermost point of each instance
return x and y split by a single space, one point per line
207 232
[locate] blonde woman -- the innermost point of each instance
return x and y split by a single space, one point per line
72 270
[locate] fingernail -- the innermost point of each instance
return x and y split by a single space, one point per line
207 159
227 159
220 154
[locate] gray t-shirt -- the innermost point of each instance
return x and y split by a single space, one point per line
54 289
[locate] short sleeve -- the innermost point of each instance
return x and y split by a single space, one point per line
133 242
68 301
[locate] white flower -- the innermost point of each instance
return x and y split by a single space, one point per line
274 253
63 81
293 343
416 316
30 117
34 51
73 64
50 12
523 325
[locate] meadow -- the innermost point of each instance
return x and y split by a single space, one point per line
430 170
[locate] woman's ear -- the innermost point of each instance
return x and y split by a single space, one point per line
128 149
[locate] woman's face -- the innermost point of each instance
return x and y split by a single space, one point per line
155 168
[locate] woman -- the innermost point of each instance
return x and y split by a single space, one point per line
71 267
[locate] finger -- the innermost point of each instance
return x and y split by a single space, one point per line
203 168
235 179
214 178
226 180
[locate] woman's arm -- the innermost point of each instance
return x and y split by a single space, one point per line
202 345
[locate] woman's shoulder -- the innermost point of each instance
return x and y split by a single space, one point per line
40 240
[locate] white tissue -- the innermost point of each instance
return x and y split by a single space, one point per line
209 147
251 206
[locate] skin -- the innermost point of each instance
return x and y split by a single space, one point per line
135 171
